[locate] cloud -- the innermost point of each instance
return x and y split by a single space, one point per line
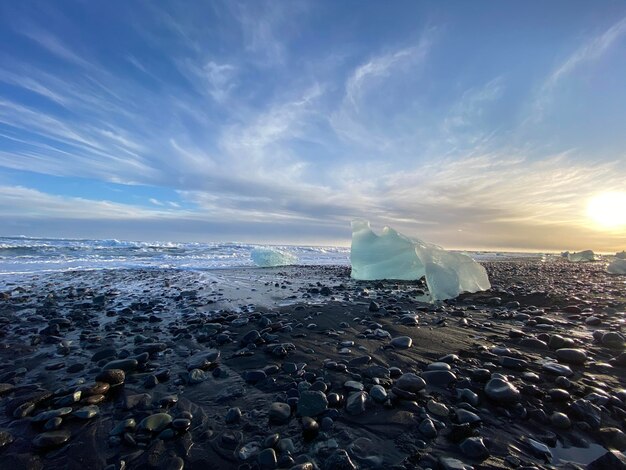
591 50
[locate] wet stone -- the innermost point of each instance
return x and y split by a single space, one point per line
502 391
356 402
51 439
112 376
557 369
87 412
156 422
312 403
402 342
438 378
571 355
127 365
474 448
279 412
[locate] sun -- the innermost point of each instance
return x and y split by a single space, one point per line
608 210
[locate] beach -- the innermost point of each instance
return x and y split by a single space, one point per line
303 367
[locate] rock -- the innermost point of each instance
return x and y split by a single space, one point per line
374 307
588 412
339 460
613 339
233 416
310 428
557 369
355 404
112 376
613 438
156 422
196 376
127 365
539 448
5 439
267 459
474 448
438 409
502 391
87 412
378 393
466 416
448 463
279 412
438 378
571 355
51 439
612 460
402 342
560 420
427 428
312 403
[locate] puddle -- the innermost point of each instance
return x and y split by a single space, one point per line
579 455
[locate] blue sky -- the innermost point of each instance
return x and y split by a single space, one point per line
470 124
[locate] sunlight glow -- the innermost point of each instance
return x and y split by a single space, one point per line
608 210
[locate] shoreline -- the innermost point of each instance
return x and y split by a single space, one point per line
197 348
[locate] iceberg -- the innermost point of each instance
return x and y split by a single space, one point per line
617 266
392 255
581 256
268 257
621 255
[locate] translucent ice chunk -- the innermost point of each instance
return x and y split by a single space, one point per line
617 266
268 257
581 256
392 255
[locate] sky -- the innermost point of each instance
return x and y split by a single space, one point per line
483 124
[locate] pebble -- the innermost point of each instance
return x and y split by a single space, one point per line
402 342
474 448
51 439
571 356
502 391
312 403
438 378
156 422
279 412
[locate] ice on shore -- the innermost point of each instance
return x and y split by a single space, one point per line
621 255
580 256
268 257
617 266
392 255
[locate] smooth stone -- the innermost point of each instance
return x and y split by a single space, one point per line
465 416
427 428
410 383
378 393
467 395
402 342
87 412
181 424
123 426
156 422
438 378
127 365
50 439
557 369
588 412
614 438
533 343
279 412
46 415
438 409
560 420
474 448
312 403
6 438
353 386
267 459
571 355
438 366
502 391
112 376
355 404
338 460
539 448
613 339
233 415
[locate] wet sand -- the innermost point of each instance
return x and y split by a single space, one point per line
302 367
